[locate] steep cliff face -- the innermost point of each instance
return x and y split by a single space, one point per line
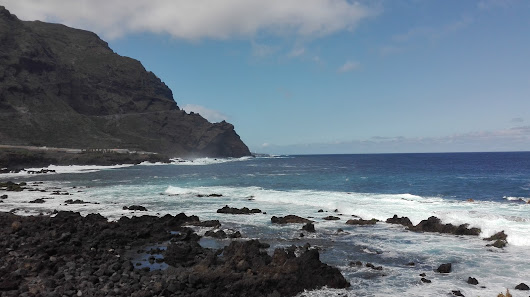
65 87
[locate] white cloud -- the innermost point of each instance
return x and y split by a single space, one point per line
211 115
349 66
198 19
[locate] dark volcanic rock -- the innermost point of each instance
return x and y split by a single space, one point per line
444 268
309 227
361 222
331 218
472 281
289 219
64 87
522 286
434 224
233 210
499 238
401 221
135 207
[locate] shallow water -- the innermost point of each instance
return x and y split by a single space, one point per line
368 186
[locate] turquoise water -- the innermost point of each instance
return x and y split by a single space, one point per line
367 186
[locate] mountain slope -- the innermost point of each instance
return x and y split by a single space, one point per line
65 87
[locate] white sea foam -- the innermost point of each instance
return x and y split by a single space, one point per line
56 169
207 161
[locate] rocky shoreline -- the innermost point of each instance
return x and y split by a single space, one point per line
71 255
65 254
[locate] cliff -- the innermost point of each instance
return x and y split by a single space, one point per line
65 87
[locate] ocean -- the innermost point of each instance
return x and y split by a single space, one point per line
490 191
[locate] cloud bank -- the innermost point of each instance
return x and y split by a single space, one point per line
197 19
512 139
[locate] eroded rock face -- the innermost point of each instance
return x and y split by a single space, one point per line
64 87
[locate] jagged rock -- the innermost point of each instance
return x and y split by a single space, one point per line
77 201
98 98
405 221
472 281
135 207
434 224
361 222
370 265
309 227
522 286
216 234
233 210
331 218
444 268
289 219
499 238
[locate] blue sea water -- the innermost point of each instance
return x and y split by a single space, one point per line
485 190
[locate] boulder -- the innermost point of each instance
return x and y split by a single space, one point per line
499 240
522 287
233 210
290 219
405 221
331 218
472 281
361 222
135 207
309 227
434 224
444 268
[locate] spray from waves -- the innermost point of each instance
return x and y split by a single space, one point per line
63 169
207 161
517 199
490 217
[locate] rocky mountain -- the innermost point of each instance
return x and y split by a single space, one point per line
64 87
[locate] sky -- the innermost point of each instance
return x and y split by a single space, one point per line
330 76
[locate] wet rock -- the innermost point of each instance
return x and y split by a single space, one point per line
472 281
427 281
39 200
331 218
320 210
216 234
3 196
309 227
209 195
434 224
209 223
77 201
13 187
411 264
233 210
405 221
444 268
362 222
522 287
290 219
370 265
135 207
457 293
499 238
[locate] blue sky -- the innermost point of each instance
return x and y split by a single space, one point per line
330 76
